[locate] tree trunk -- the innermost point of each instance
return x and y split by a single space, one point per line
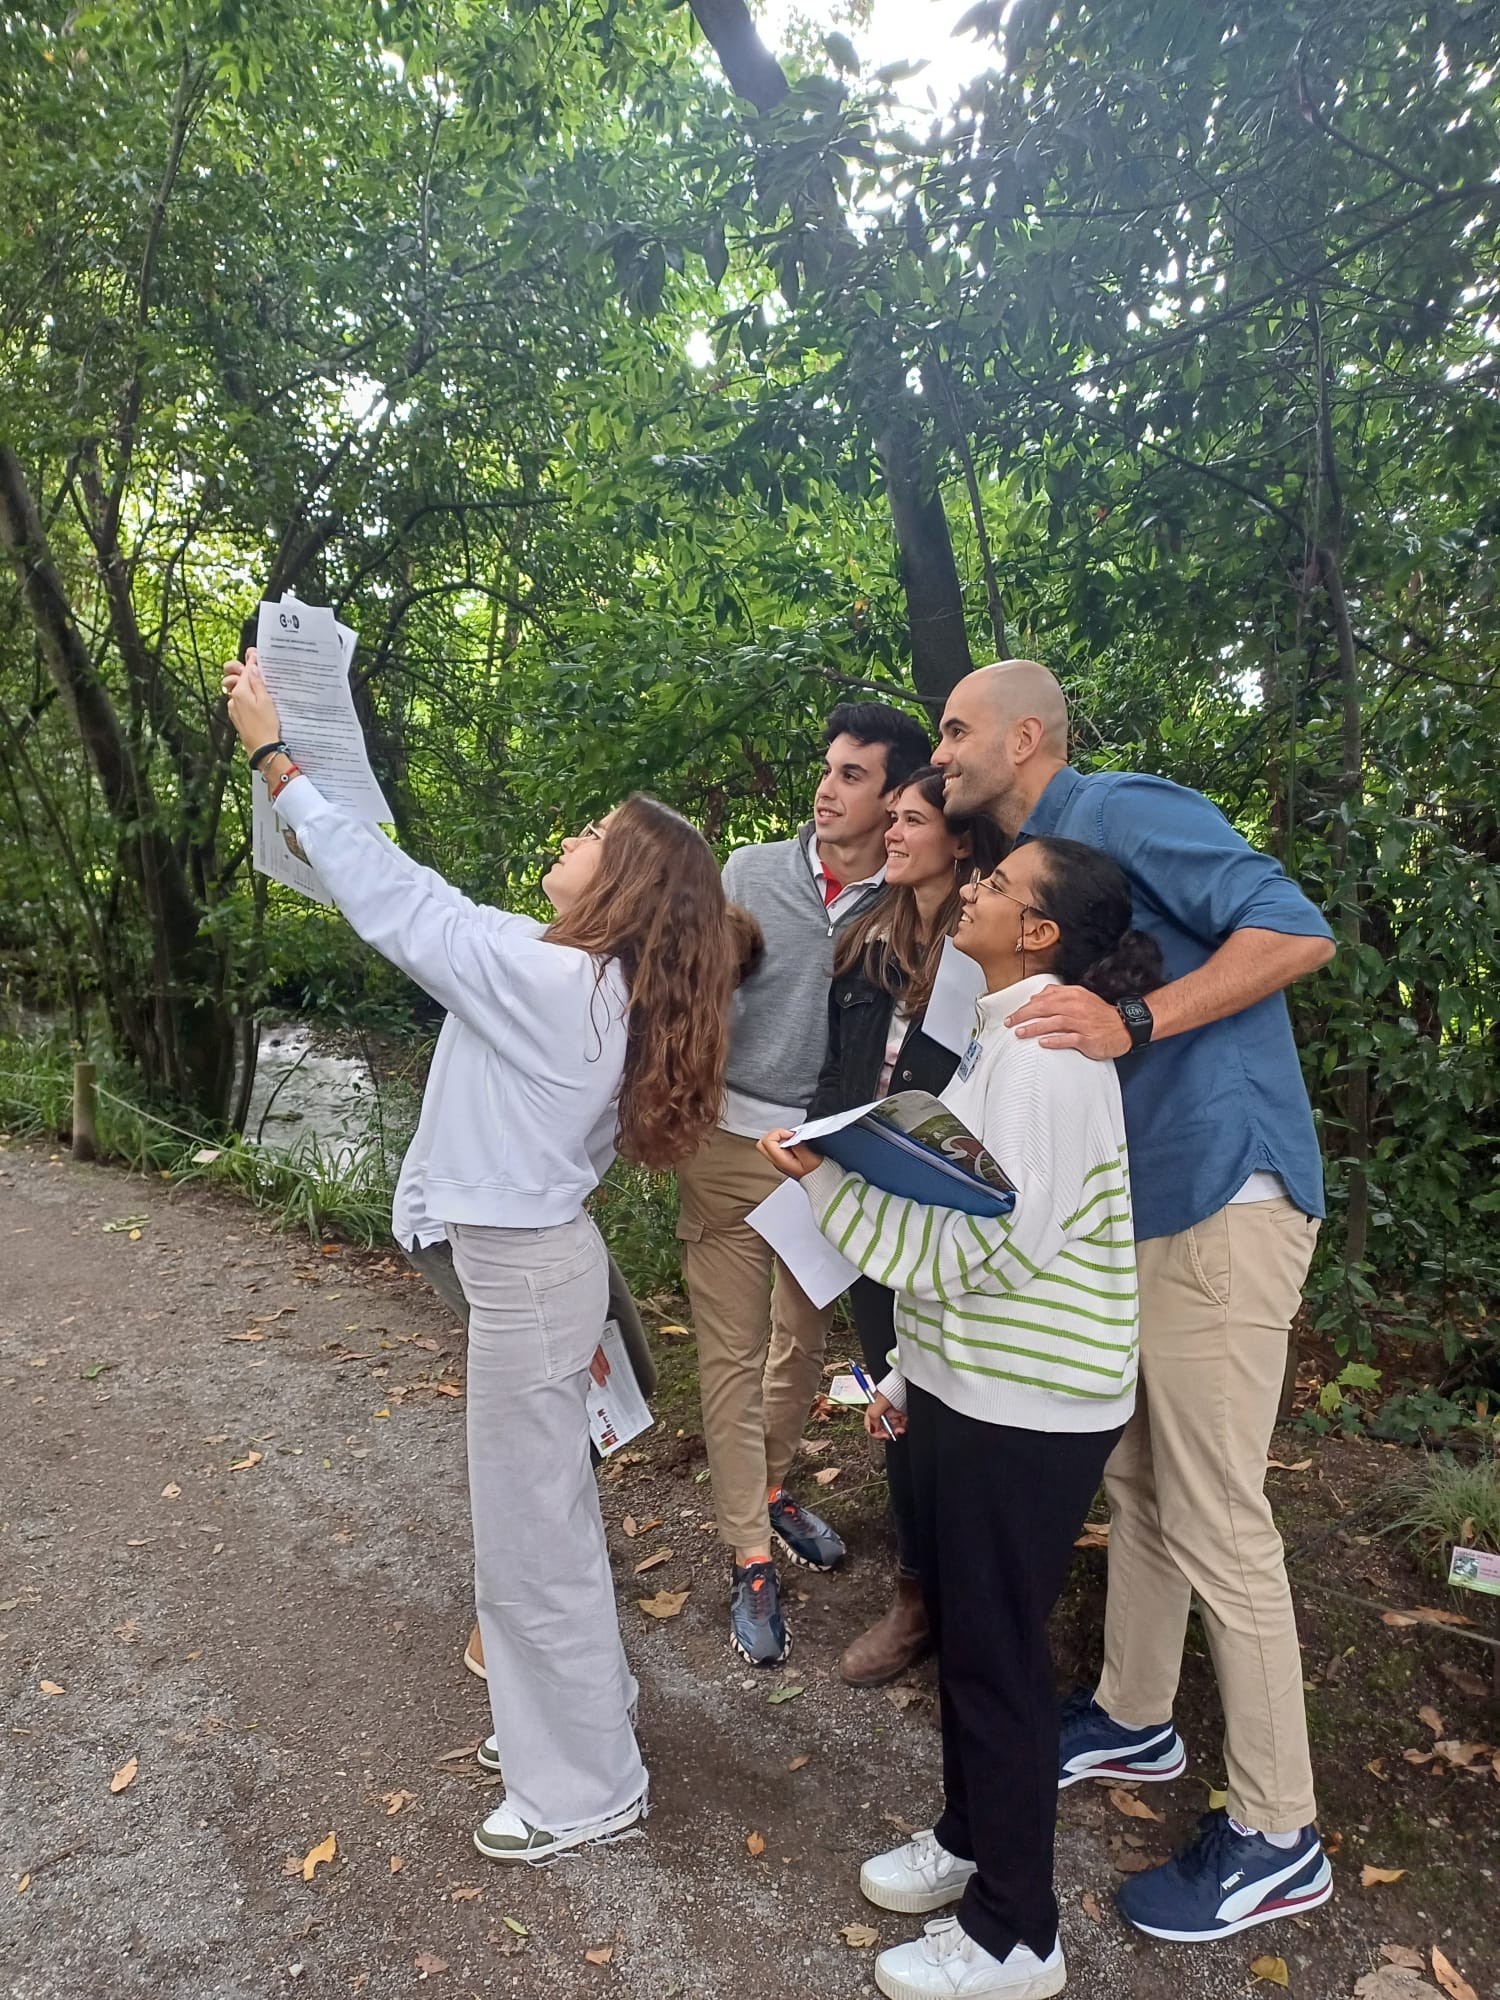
940 655
189 1048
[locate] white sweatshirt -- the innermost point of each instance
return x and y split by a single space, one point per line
518 1119
1028 1319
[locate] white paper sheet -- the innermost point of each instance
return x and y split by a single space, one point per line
785 1220
618 1411
305 655
273 852
955 992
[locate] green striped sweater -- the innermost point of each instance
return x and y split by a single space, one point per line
1030 1320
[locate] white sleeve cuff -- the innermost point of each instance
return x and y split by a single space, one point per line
893 1388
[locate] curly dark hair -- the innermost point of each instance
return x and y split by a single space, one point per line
1087 896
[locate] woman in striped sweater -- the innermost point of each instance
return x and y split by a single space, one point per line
1016 1344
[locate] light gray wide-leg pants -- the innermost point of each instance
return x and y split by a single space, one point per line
559 1684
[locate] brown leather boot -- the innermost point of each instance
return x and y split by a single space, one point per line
893 1643
474 1655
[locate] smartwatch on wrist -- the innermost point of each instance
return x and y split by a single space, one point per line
1136 1015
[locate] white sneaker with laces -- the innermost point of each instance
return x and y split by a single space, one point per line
916 1878
946 1964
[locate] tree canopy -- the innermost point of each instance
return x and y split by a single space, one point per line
638 391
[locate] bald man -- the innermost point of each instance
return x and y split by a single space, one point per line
1226 1192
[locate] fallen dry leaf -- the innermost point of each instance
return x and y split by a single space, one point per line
397 1864
514 1925
244 1464
755 1843
1463 1680
429 1965
51 1687
859 1937
460 1755
24 1884
1424 1615
1132 1807
1217 1800
1403 1954
1135 1864
798 1762
316 1856
394 1801
244 1336
464 1895
1462 1756
1450 1978
1376 1769
1090 1906
630 1526
1272 1970
827 1475
653 1562
901 1825
172 1492
1430 1716
600 1955
125 1775
1392 1982
1280 1465
1370 1875
665 1604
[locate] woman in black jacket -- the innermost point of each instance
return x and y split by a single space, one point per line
882 980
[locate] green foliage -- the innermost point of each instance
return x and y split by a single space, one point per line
1447 1501
577 389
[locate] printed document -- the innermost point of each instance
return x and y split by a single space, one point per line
617 1412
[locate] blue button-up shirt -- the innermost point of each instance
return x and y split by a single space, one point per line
1206 1109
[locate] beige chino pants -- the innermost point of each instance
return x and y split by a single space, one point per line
1189 1515
760 1346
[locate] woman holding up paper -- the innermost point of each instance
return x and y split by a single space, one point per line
1017 1342
606 1027
883 973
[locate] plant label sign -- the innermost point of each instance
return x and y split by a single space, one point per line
1475 1569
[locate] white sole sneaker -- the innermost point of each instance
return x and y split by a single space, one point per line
1313 1897
917 1878
1110 1767
901 1974
545 1846
914 1902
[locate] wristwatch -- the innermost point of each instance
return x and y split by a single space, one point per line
1136 1015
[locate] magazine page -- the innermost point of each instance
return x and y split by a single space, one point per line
923 1118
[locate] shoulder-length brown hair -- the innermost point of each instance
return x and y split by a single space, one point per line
657 907
887 940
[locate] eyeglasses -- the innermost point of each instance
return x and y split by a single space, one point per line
979 880
593 831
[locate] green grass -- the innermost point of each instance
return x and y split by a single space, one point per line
1447 1500
303 1187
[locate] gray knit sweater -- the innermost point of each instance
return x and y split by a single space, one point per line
778 1028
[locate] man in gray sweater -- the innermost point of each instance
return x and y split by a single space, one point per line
760 1349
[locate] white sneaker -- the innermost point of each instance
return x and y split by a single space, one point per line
921 1876
487 1756
946 1964
505 1836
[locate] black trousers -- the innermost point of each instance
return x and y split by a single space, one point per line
997 1513
873 1309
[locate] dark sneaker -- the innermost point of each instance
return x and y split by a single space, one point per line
806 1537
1093 1745
756 1626
1226 1881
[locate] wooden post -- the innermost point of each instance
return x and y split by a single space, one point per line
85 1138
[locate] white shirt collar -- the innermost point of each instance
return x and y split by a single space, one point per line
820 873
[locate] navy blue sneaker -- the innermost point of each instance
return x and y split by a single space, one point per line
806 1536
756 1626
1093 1745
1227 1880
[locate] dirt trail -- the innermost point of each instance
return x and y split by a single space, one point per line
235 1540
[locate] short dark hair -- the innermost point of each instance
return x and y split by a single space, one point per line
906 743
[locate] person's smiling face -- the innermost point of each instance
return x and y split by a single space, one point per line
918 845
1002 914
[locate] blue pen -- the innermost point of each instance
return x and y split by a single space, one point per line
864 1382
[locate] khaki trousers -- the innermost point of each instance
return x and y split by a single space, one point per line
1188 1510
760 1351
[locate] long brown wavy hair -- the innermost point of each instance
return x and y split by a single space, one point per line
657 907
887 939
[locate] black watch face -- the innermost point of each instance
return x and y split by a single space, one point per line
1137 1017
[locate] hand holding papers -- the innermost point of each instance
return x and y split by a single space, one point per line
617 1409
912 1145
305 655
